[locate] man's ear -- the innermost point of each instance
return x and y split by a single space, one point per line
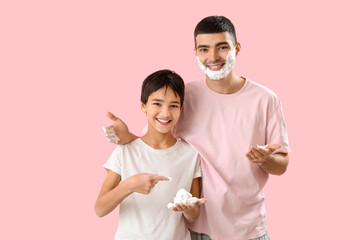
143 107
237 47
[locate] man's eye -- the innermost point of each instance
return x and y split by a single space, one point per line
203 50
223 47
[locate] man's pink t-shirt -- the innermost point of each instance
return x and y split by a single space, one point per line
222 127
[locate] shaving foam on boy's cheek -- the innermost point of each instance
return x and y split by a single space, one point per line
223 72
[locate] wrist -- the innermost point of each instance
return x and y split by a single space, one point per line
127 186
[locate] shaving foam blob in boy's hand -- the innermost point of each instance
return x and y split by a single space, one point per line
184 197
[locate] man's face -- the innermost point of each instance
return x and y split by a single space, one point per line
213 48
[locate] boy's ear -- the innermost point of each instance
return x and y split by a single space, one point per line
143 107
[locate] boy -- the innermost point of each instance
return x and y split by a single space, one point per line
133 169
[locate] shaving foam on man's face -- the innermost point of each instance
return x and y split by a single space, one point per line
224 71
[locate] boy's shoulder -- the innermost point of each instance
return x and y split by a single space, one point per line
184 146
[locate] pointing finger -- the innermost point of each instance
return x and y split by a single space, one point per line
162 178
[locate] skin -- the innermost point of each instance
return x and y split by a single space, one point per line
163 111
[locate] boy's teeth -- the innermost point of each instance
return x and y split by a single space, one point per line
164 121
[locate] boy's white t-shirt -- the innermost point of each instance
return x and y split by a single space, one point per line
147 216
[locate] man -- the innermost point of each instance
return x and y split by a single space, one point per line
238 128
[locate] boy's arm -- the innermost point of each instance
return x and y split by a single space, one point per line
191 211
120 134
113 192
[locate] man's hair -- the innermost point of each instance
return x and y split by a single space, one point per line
163 78
215 24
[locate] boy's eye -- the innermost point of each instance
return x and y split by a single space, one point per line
156 104
175 106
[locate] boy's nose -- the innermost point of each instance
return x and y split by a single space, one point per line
165 112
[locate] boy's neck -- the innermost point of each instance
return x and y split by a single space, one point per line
159 140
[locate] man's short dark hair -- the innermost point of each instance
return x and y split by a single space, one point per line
163 78
215 24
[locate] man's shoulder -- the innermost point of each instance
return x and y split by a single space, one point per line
194 85
260 90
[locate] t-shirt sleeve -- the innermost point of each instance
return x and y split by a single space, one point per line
114 161
197 172
276 132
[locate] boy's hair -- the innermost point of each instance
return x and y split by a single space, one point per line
163 78
215 24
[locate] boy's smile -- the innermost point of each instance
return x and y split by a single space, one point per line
162 110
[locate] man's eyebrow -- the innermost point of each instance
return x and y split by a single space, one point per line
218 44
222 43
203 46
175 102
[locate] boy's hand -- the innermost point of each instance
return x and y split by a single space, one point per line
118 132
261 155
188 207
144 182
191 211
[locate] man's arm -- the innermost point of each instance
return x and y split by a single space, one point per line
118 132
272 163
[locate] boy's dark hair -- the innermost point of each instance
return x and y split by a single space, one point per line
163 78
215 24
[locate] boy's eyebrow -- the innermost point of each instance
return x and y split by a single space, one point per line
218 44
160 100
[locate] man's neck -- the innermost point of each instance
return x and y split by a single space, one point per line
228 85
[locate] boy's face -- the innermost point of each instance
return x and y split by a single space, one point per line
213 48
162 110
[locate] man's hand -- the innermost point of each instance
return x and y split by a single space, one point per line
118 132
260 154
144 182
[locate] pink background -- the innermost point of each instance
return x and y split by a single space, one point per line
63 64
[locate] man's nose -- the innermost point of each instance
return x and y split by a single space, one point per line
213 56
